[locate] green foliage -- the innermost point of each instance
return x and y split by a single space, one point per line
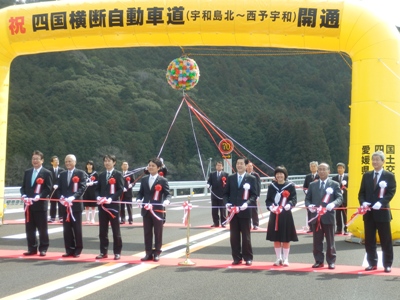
287 110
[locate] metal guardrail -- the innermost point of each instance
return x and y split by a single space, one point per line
178 188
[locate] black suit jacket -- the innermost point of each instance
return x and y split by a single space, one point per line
307 180
216 184
128 194
56 193
103 188
234 194
29 191
343 187
315 197
66 188
258 181
147 194
367 193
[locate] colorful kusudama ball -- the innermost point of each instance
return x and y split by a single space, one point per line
183 73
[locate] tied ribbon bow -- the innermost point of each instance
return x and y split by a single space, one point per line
75 180
92 178
111 182
285 195
187 207
149 207
246 187
102 202
39 183
28 202
157 188
383 186
223 178
320 212
362 210
161 174
232 211
68 208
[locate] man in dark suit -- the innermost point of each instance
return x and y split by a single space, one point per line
36 186
313 176
72 185
154 196
55 194
240 192
376 191
109 190
217 181
129 183
322 197
254 210
341 214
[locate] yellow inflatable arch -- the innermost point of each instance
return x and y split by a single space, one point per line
339 26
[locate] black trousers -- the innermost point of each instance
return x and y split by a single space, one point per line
53 209
240 238
104 219
37 221
385 236
128 208
73 239
341 218
319 232
152 225
218 211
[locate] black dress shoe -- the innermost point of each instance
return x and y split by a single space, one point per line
156 257
101 255
130 222
338 232
236 262
249 262
29 253
67 255
213 225
223 226
370 268
117 256
76 255
122 222
42 253
147 257
388 269
318 265
331 266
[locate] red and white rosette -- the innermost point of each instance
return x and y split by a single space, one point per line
362 210
92 178
128 179
187 207
223 178
232 212
343 185
285 194
75 180
39 182
111 182
383 186
246 187
157 188
329 192
161 174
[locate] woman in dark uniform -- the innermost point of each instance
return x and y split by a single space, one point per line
90 206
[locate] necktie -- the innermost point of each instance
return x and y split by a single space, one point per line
322 185
69 176
313 177
151 181
240 181
34 174
375 179
108 175
340 179
55 172
218 174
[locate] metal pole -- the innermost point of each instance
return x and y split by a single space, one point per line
187 261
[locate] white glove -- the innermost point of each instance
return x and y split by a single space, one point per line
312 208
61 200
148 206
24 198
70 199
130 186
125 190
55 186
108 200
100 200
139 201
37 197
166 203
365 204
287 207
377 205
228 206
305 192
330 206
90 183
272 208
208 186
244 206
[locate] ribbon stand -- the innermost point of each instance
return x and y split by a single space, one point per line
187 261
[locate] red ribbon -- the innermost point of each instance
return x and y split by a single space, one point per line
285 195
128 179
223 181
320 212
39 183
27 212
187 207
234 210
360 211
161 173
158 188
92 178
75 180
112 181
107 211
